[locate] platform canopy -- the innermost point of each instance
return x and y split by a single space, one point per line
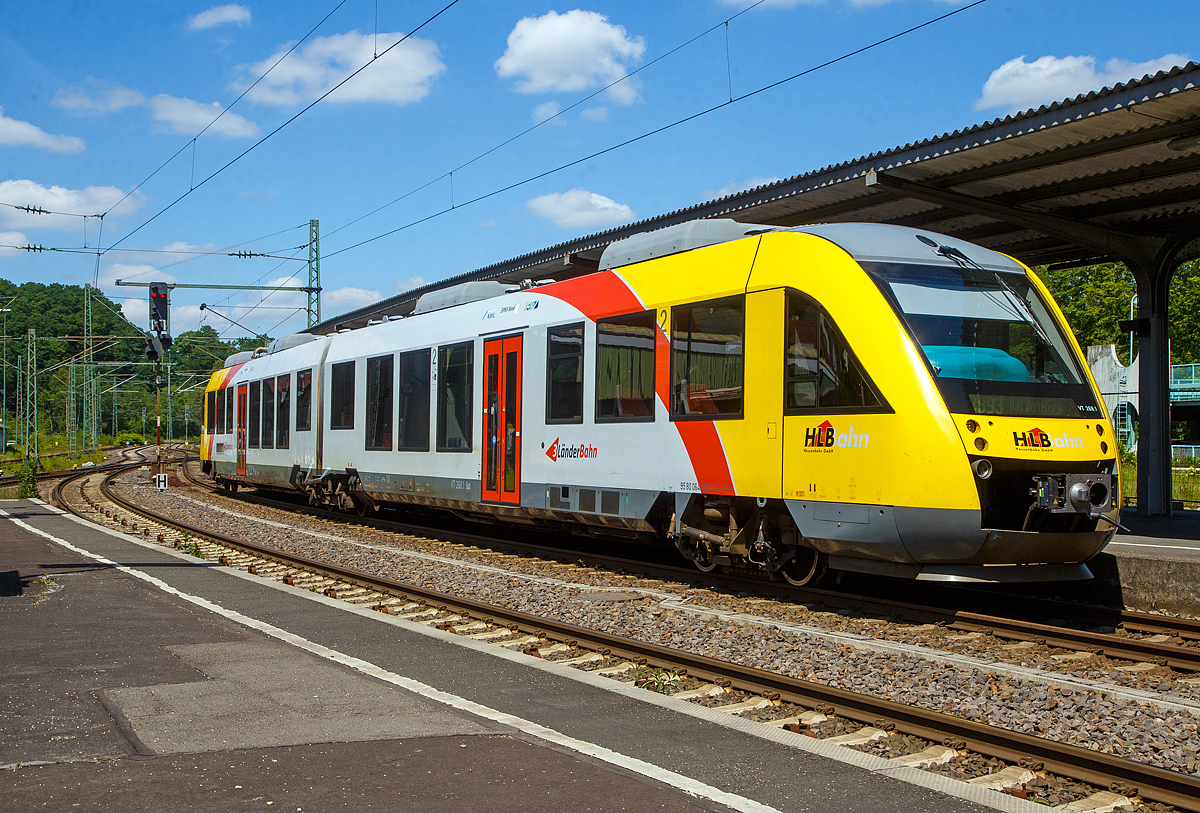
1113 175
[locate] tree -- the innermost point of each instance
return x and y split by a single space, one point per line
1094 298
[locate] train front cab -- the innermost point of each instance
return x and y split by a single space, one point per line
208 426
964 441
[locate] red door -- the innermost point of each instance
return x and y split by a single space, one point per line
502 420
242 398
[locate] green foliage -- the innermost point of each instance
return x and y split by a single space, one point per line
663 681
1094 298
26 481
125 438
56 313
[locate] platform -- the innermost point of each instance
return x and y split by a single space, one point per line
1157 566
165 682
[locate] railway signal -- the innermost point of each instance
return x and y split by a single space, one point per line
160 307
154 347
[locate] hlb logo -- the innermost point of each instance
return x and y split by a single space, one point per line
557 451
1037 439
826 438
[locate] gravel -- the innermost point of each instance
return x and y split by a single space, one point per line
1091 719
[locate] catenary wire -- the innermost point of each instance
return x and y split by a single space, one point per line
192 142
304 110
660 129
546 121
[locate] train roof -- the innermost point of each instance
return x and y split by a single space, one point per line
865 242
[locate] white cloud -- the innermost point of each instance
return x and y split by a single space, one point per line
571 52
580 208
1019 85
189 117
595 114
88 201
102 99
402 285
12 238
219 15
132 272
14 133
349 298
402 76
733 187
181 115
137 311
547 111
487 224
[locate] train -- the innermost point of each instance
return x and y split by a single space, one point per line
796 402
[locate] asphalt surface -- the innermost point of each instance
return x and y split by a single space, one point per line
119 695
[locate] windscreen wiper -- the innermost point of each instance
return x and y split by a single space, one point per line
1023 311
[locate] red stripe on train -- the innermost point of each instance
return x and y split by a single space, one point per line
605 294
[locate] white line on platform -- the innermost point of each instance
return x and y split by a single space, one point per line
1145 545
666 777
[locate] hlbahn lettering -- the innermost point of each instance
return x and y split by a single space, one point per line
1037 439
826 438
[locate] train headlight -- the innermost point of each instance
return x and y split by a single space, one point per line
980 444
972 426
983 468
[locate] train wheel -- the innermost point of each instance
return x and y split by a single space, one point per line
362 509
806 569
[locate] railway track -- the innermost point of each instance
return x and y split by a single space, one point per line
816 707
1136 637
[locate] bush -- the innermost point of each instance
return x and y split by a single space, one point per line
125 438
26 481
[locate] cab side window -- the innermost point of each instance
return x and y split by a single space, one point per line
706 359
821 372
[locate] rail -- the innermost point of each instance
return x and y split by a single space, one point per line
1105 770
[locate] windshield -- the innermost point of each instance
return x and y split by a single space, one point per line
990 341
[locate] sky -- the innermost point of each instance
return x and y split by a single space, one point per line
427 162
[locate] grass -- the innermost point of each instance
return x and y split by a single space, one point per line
45 582
1185 483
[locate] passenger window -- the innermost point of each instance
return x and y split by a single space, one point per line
413 431
268 413
341 396
303 400
821 372
210 413
220 426
625 368
252 422
706 359
229 405
283 414
455 365
379 403
564 374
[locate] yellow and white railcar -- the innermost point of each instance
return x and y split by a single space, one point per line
853 396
